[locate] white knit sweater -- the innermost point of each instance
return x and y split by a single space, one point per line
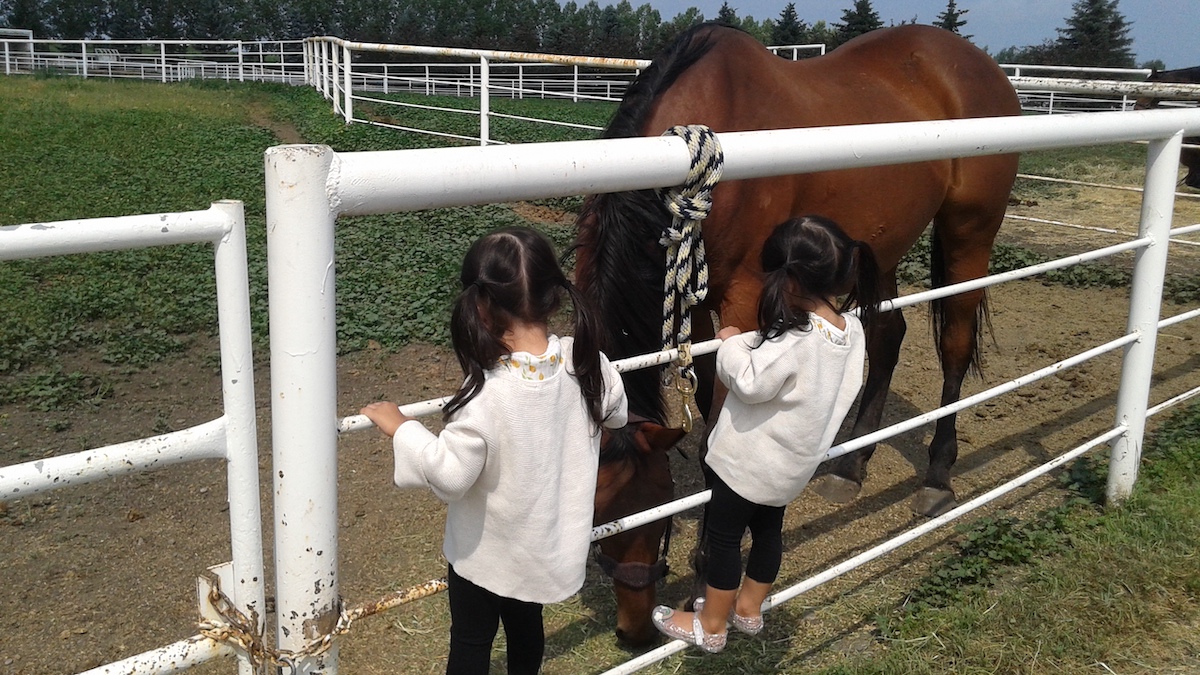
786 401
517 466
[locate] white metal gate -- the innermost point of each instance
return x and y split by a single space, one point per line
309 187
231 437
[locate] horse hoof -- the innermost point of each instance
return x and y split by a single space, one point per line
836 489
933 502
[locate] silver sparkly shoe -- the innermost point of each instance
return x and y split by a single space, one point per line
709 642
745 624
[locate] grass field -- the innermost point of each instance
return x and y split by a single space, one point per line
1077 590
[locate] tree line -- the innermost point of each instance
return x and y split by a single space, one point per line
1095 34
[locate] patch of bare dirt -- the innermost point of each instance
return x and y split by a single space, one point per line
260 116
99 572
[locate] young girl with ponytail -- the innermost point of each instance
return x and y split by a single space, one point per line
790 384
517 459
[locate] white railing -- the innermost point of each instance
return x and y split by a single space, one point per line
347 72
231 437
1064 89
793 52
162 60
309 187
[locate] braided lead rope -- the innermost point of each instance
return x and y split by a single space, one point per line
242 631
686 281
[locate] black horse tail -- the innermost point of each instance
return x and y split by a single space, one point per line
937 309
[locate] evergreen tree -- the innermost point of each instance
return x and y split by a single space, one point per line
682 21
649 23
367 20
163 20
789 29
1096 34
618 31
858 20
123 20
727 15
823 33
26 14
951 19
75 19
759 31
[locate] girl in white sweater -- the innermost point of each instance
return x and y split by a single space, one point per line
517 460
790 384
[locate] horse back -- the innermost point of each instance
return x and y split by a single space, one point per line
904 74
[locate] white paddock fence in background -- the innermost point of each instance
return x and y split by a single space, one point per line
162 60
345 72
309 187
231 437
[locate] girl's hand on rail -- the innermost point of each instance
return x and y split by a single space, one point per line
728 332
386 415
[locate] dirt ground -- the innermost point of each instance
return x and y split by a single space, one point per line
99 572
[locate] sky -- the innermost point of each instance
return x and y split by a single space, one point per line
1168 30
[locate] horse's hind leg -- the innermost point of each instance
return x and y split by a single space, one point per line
958 340
847 472
962 247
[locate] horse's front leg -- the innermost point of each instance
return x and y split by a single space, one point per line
844 481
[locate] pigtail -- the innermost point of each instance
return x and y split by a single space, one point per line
585 354
474 345
776 315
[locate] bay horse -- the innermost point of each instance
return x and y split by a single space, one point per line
1189 157
723 78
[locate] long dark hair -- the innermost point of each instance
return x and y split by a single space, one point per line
812 256
510 275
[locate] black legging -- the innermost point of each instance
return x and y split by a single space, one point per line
475 614
726 517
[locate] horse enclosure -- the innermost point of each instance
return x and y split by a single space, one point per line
310 187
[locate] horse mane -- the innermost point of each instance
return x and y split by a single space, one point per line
619 263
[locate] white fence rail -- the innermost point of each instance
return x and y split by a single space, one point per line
322 185
162 60
231 437
347 72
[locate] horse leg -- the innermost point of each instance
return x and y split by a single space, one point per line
959 336
844 481
962 247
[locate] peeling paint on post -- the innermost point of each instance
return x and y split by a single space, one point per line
300 225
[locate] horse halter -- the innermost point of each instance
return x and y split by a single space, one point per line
636 575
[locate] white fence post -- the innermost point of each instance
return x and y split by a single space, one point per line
241 63
347 63
83 57
162 53
241 434
1145 302
300 222
485 93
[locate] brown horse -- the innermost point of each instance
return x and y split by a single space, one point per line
723 78
1189 157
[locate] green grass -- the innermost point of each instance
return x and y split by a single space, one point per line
84 149
1074 587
